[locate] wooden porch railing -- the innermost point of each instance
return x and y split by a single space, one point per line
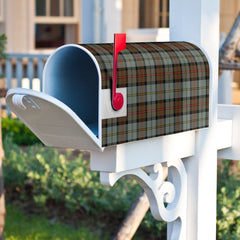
21 70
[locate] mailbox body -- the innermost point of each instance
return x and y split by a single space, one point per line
165 88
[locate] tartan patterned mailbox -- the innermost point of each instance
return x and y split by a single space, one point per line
165 87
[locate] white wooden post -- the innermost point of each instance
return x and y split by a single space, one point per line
225 94
197 21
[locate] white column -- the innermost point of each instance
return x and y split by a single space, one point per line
225 81
197 21
112 22
87 21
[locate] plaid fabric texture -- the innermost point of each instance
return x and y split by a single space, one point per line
167 89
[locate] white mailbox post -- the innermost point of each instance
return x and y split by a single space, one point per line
192 132
198 21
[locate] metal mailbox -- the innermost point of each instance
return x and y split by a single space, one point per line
165 90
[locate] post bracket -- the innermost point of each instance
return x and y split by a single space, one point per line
168 199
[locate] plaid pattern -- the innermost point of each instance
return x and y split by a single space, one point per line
167 89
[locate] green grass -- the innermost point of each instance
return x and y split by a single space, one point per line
21 227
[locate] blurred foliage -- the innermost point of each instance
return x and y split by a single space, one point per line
55 177
21 227
18 131
228 204
3 41
66 179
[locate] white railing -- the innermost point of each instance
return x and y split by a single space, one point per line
22 70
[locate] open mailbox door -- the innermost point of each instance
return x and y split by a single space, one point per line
52 121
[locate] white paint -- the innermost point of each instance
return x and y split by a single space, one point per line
112 20
106 106
224 134
36 84
118 5
143 153
53 122
197 21
97 20
148 35
87 22
25 83
173 192
231 112
225 87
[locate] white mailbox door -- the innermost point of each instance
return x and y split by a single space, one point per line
53 122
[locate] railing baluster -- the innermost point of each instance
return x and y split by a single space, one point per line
30 71
9 72
40 71
1 69
19 72
18 66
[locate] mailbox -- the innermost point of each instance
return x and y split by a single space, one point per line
164 88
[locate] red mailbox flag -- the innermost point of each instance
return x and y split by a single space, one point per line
119 45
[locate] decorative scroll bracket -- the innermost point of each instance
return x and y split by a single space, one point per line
168 199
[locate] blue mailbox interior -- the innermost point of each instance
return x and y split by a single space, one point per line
71 76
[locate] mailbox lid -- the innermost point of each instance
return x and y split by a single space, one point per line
53 122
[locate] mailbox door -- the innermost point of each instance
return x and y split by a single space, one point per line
53 122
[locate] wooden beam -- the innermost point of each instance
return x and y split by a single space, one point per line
229 65
229 46
135 215
133 218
